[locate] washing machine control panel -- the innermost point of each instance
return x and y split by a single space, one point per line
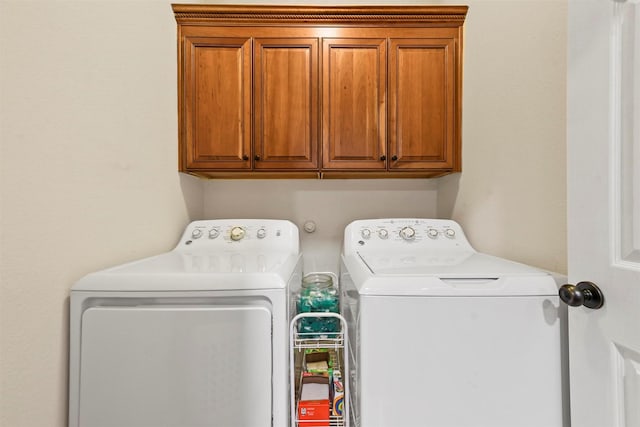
244 234
400 232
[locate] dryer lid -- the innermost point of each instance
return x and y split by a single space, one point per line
196 270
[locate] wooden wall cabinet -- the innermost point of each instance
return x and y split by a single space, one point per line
306 91
354 104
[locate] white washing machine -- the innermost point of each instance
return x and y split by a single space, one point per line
194 337
444 336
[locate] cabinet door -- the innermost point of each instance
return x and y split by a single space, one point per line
353 105
286 103
422 103
216 114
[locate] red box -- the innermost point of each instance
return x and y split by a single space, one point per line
314 411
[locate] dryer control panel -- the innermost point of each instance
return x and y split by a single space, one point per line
245 234
390 233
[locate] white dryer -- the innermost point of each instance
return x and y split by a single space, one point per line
193 337
445 336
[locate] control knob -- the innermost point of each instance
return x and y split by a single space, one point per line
432 233
261 234
450 233
383 233
196 234
407 233
365 233
213 233
237 233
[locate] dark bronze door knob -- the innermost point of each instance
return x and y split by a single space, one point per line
584 293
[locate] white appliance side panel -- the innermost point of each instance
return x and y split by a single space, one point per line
176 366
460 362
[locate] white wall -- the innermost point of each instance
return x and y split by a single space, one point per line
88 174
330 204
511 196
88 164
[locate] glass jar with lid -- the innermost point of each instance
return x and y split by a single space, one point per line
318 295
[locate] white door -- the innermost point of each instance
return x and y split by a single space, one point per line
604 209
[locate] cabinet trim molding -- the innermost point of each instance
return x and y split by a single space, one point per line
378 15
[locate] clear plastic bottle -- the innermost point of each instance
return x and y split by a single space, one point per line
318 295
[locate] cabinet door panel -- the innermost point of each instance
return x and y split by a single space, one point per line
286 99
422 98
217 108
354 103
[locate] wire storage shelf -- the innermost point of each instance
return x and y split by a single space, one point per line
333 346
333 340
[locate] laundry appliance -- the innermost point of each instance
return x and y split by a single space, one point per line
442 335
196 336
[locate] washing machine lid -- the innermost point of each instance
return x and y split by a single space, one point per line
444 263
196 270
447 273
